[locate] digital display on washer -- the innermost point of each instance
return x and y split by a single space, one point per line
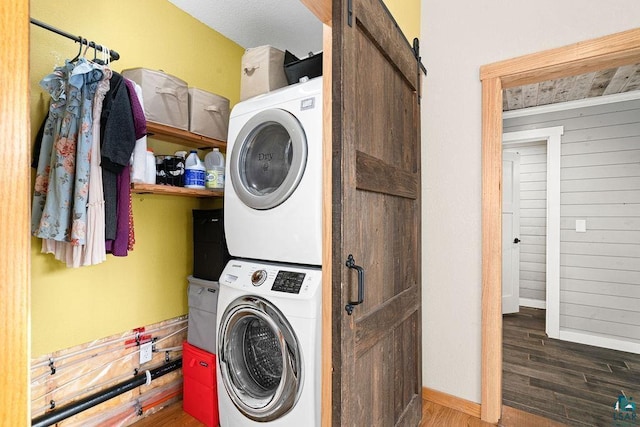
288 281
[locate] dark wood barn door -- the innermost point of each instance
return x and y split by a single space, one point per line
376 219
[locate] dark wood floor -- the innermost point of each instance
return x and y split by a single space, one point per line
571 383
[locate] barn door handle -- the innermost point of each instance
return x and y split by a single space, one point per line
516 240
351 263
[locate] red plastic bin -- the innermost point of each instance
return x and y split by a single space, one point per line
200 395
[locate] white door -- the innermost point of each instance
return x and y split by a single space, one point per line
510 232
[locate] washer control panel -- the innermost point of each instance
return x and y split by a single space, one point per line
262 278
288 281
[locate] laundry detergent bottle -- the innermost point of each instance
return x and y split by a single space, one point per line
214 165
194 171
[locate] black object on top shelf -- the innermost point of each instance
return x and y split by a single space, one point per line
295 68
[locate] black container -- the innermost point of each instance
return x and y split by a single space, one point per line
295 68
170 170
210 253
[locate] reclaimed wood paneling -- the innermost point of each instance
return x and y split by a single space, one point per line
376 217
625 78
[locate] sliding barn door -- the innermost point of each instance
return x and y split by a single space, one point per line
376 220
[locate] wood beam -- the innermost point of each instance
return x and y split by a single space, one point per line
320 8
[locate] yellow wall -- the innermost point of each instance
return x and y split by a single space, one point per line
407 15
73 306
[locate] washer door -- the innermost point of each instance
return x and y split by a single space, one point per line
260 359
268 159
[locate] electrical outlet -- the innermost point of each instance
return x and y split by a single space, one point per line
146 352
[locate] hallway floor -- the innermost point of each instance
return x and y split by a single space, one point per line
571 383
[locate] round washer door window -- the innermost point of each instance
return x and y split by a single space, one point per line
260 360
268 159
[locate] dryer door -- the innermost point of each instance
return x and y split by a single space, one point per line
268 159
260 359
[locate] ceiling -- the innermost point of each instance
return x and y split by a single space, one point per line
284 24
605 82
289 25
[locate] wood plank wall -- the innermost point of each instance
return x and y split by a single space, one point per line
600 183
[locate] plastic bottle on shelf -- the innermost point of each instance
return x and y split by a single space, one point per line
194 171
214 165
150 167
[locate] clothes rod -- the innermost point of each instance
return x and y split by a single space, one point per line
114 55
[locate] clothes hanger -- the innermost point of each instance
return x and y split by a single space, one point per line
97 60
81 41
84 54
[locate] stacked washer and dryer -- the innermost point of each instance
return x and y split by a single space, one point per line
269 302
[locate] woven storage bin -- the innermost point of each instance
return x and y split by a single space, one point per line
166 97
208 114
262 71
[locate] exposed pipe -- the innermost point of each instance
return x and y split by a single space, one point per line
83 404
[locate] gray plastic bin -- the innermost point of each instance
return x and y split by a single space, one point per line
203 306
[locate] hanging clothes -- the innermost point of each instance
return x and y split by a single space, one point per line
85 76
95 249
123 240
84 151
118 140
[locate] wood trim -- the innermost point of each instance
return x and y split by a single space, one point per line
15 262
327 273
449 401
605 52
491 250
583 57
320 8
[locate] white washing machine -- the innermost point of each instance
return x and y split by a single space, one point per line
269 342
273 186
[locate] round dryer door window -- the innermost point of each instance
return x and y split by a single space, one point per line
260 359
268 159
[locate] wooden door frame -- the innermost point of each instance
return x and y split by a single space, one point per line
15 243
15 264
583 57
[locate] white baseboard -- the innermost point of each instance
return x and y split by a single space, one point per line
533 303
598 341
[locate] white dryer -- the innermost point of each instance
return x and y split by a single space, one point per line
273 186
269 343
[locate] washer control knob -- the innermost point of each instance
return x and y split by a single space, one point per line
258 277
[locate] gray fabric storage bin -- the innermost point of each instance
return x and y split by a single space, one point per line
262 71
203 306
208 114
166 97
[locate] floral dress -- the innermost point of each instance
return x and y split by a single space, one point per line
60 200
56 84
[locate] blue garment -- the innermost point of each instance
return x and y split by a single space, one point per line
61 190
